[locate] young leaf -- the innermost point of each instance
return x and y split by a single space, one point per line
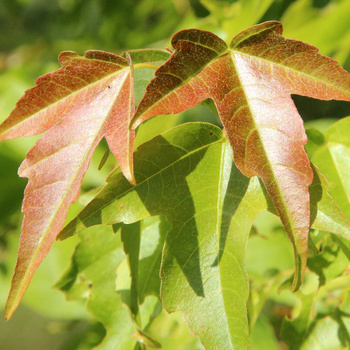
251 83
88 98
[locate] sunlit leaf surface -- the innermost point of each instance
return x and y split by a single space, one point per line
210 216
251 82
88 98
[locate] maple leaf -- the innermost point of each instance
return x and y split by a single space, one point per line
89 98
251 83
202 263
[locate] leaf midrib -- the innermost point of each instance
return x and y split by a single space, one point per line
256 127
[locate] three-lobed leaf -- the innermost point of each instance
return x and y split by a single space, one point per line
202 271
203 264
251 83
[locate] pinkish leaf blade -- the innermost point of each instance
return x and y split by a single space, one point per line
251 84
177 75
57 163
296 66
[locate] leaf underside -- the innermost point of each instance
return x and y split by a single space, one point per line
251 83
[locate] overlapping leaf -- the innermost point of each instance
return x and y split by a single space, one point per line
203 264
88 98
333 159
251 83
202 269
131 286
326 296
91 276
325 213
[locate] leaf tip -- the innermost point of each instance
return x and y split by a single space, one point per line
300 266
296 284
12 304
128 171
135 122
132 180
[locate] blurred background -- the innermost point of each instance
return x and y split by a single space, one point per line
34 32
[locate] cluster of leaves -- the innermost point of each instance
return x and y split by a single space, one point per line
181 205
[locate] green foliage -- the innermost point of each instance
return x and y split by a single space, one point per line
194 244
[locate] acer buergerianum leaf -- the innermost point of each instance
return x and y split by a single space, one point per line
251 83
202 270
89 98
187 175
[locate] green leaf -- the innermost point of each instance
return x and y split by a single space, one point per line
325 214
294 330
328 333
330 263
235 16
306 21
91 276
272 243
130 236
263 337
210 217
315 139
333 160
152 243
155 56
203 271
153 158
146 282
145 62
174 332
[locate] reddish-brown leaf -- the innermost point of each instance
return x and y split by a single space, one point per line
251 83
89 98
